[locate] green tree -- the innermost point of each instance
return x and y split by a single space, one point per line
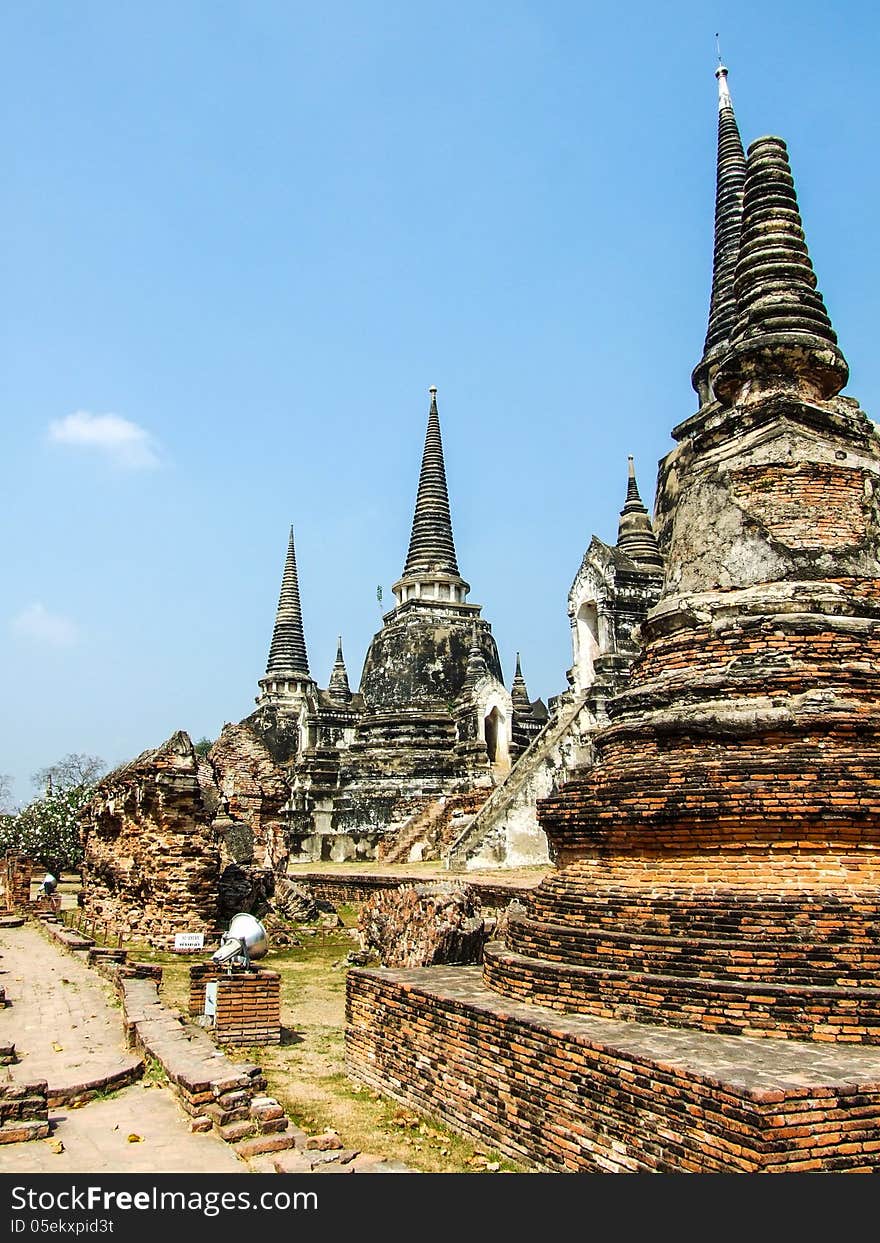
203 746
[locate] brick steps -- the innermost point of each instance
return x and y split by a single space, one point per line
21 1132
794 1012
24 1111
758 958
578 1093
435 827
419 826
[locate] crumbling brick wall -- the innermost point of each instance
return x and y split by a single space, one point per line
252 796
15 880
171 839
151 862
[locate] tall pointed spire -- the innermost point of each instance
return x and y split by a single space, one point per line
730 180
519 693
782 339
338 687
287 654
635 534
431 547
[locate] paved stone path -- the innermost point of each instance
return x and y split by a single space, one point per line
67 1028
65 1020
95 1139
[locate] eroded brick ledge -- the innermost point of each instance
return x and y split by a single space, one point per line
577 1094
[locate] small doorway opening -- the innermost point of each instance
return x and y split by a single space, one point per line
588 640
495 733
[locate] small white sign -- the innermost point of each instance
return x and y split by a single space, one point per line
189 940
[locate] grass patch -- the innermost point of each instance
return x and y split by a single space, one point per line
306 1073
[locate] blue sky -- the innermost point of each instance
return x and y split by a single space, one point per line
241 240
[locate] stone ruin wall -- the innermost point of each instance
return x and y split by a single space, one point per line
15 880
249 821
151 865
174 843
794 495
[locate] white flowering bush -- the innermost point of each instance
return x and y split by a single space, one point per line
47 830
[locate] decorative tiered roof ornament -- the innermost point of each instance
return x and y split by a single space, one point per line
782 339
519 693
431 569
338 687
635 534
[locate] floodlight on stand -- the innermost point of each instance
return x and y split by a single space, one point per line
244 940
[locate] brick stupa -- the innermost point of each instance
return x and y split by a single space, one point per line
696 988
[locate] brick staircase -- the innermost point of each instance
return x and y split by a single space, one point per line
432 829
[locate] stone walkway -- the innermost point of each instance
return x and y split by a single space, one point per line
95 1140
66 1024
65 1020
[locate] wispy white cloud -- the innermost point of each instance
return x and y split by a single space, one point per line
37 624
126 444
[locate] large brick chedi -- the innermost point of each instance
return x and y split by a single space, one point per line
704 964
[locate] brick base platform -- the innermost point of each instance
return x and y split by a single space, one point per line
248 1003
576 1093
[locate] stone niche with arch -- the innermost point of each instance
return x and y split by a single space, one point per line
485 726
497 736
609 598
